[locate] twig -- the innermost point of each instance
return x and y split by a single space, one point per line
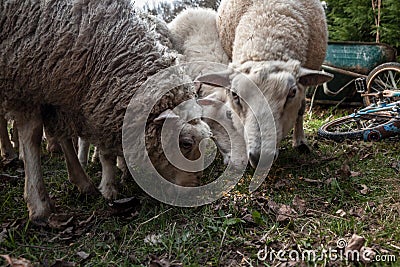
244 258
223 237
396 247
6 176
33 246
155 217
327 214
141 224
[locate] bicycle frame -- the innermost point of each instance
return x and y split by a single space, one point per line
386 130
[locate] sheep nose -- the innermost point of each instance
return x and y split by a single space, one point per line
186 143
254 158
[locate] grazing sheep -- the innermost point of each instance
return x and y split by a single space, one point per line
74 66
191 134
279 46
194 34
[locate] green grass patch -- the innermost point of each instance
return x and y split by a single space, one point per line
307 203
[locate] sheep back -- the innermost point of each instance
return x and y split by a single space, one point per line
274 30
82 61
194 34
228 18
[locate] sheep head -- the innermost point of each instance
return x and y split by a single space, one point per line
217 113
267 97
182 128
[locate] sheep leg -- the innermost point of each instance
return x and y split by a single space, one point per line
6 148
76 174
121 164
83 152
30 128
108 186
299 140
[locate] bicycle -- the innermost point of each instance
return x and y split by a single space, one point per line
379 120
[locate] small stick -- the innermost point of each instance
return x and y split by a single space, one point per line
327 214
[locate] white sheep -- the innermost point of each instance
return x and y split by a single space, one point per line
279 46
194 34
74 66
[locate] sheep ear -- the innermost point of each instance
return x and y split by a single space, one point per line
167 114
207 102
309 77
210 100
219 79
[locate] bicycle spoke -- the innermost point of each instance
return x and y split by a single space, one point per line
395 83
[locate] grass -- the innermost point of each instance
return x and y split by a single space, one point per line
338 190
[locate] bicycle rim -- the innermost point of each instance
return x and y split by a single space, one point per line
353 127
383 77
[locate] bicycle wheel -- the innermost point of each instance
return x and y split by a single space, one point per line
383 77
363 127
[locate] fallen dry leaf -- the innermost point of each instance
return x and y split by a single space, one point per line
285 212
248 218
312 180
87 220
356 248
364 189
341 213
355 243
355 174
281 184
83 254
60 221
345 170
365 156
61 263
299 204
153 239
272 205
396 166
20 262
357 212
156 262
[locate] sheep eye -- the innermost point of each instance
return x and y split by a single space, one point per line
292 92
186 143
235 97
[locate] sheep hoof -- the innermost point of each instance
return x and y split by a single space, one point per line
90 189
303 148
109 193
40 215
